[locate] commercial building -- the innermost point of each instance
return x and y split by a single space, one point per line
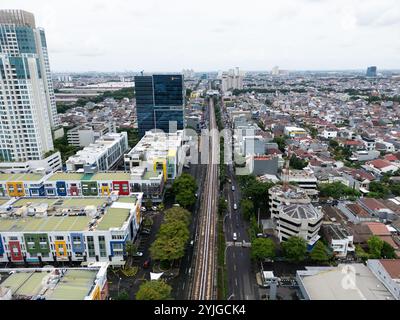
293 214
27 103
345 282
231 80
295 132
48 164
101 155
158 152
371 71
304 179
160 101
55 283
261 165
84 135
47 230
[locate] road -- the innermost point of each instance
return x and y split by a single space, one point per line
241 276
205 267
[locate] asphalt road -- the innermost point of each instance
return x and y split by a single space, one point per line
241 276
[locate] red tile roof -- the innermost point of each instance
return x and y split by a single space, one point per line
379 164
378 228
392 267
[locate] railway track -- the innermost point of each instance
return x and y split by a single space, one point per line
203 287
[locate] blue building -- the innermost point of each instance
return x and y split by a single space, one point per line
371 71
160 101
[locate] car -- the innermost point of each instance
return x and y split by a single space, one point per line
143 209
146 264
154 208
145 232
191 242
234 206
196 195
176 205
233 188
234 237
139 254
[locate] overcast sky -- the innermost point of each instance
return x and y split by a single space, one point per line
169 35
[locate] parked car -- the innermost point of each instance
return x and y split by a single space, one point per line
139 254
143 209
154 208
146 264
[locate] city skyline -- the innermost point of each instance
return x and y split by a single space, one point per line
253 36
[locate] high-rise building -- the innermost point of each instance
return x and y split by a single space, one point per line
27 103
371 71
160 102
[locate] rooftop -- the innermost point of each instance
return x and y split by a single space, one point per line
21 177
302 211
328 283
77 218
50 284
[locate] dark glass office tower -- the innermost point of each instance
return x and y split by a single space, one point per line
371 71
159 101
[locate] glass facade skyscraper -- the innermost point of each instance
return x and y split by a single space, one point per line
160 102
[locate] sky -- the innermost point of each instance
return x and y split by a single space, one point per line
211 35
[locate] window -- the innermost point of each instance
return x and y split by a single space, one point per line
102 246
91 250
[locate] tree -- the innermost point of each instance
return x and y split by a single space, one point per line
154 290
262 248
297 163
148 203
123 295
222 206
184 189
130 249
255 190
337 190
281 141
360 253
177 214
379 189
388 251
171 241
247 208
295 249
375 246
319 253
185 198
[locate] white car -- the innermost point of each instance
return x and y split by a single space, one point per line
139 254
234 237
234 206
154 208
143 209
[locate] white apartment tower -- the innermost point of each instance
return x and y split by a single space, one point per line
27 103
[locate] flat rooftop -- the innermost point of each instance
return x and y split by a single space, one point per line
111 218
330 283
74 284
21 177
61 176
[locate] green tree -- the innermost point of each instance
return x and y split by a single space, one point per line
247 208
262 248
130 249
319 253
295 249
361 253
222 206
281 141
177 214
170 241
154 290
388 251
379 189
375 246
337 190
123 295
185 198
297 163
148 203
